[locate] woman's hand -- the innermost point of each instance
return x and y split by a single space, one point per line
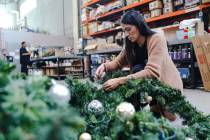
114 83
100 70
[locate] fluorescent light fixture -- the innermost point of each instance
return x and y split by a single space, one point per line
27 6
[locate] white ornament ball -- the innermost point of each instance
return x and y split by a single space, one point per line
95 106
85 136
125 111
148 99
60 93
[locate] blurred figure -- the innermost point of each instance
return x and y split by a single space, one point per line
24 58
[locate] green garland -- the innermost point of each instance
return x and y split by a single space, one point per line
101 126
30 113
107 123
175 102
27 111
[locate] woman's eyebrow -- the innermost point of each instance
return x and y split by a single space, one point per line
126 28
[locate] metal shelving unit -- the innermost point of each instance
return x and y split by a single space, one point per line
188 63
59 67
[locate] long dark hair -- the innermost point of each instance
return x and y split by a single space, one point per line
135 18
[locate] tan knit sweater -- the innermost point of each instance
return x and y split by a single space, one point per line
159 65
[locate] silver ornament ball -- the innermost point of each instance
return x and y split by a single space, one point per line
95 106
125 111
60 93
85 136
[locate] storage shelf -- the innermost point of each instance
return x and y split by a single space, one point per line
103 15
103 51
79 74
169 27
177 13
103 32
90 3
118 10
51 67
162 17
172 14
60 61
94 3
74 70
137 4
55 58
177 42
183 61
64 75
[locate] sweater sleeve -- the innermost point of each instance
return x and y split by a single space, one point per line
118 62
156 52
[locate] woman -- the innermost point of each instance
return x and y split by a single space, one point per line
147 53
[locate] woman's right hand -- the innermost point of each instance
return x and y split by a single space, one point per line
100 71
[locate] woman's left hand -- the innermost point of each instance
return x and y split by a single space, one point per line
114 83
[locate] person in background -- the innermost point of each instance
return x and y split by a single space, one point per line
146 53
24 58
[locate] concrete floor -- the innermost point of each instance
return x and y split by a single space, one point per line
199 98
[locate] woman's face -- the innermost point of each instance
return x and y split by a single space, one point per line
131 32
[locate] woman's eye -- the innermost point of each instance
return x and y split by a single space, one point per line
127 29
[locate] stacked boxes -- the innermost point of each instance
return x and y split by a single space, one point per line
96 26
168 6
92 27
205 1
191 3
85 29
156 8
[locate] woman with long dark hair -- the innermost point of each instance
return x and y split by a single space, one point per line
147 54
145 51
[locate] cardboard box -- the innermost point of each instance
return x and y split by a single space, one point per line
156 12
59 52
202 59
167 1
155 5
129 2
168 5
93 27
167 10
206 47
205 1
84 29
